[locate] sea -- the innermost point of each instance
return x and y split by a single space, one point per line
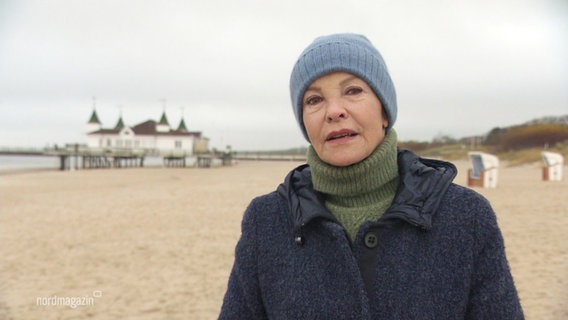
9 163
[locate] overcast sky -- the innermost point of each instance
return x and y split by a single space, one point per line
460 68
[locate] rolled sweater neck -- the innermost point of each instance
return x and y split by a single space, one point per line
359 192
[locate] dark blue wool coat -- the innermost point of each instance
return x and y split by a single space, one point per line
437 253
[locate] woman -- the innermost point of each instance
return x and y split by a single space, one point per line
363 230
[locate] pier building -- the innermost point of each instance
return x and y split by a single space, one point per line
149 137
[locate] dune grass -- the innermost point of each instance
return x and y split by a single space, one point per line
511 157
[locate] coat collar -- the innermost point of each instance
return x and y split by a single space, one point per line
423 182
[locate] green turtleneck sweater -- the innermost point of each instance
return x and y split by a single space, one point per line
359 192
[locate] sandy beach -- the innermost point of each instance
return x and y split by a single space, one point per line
157 243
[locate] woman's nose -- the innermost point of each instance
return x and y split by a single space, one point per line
336 110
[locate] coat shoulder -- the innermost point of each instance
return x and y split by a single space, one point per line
465 198
461 206
268 210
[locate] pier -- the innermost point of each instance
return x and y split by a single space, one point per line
264 156
77 156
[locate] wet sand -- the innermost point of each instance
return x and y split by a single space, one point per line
157 243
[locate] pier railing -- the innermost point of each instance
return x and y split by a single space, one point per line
77 156
262 156
80 156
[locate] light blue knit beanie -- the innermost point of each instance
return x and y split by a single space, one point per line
352 53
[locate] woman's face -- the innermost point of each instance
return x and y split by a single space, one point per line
344 118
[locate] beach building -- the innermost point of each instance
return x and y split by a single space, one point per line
149 137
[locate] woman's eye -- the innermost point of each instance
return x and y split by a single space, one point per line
353 90
313 100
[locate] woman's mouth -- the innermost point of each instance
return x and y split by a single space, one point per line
342 135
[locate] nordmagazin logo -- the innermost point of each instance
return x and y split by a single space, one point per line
69 301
